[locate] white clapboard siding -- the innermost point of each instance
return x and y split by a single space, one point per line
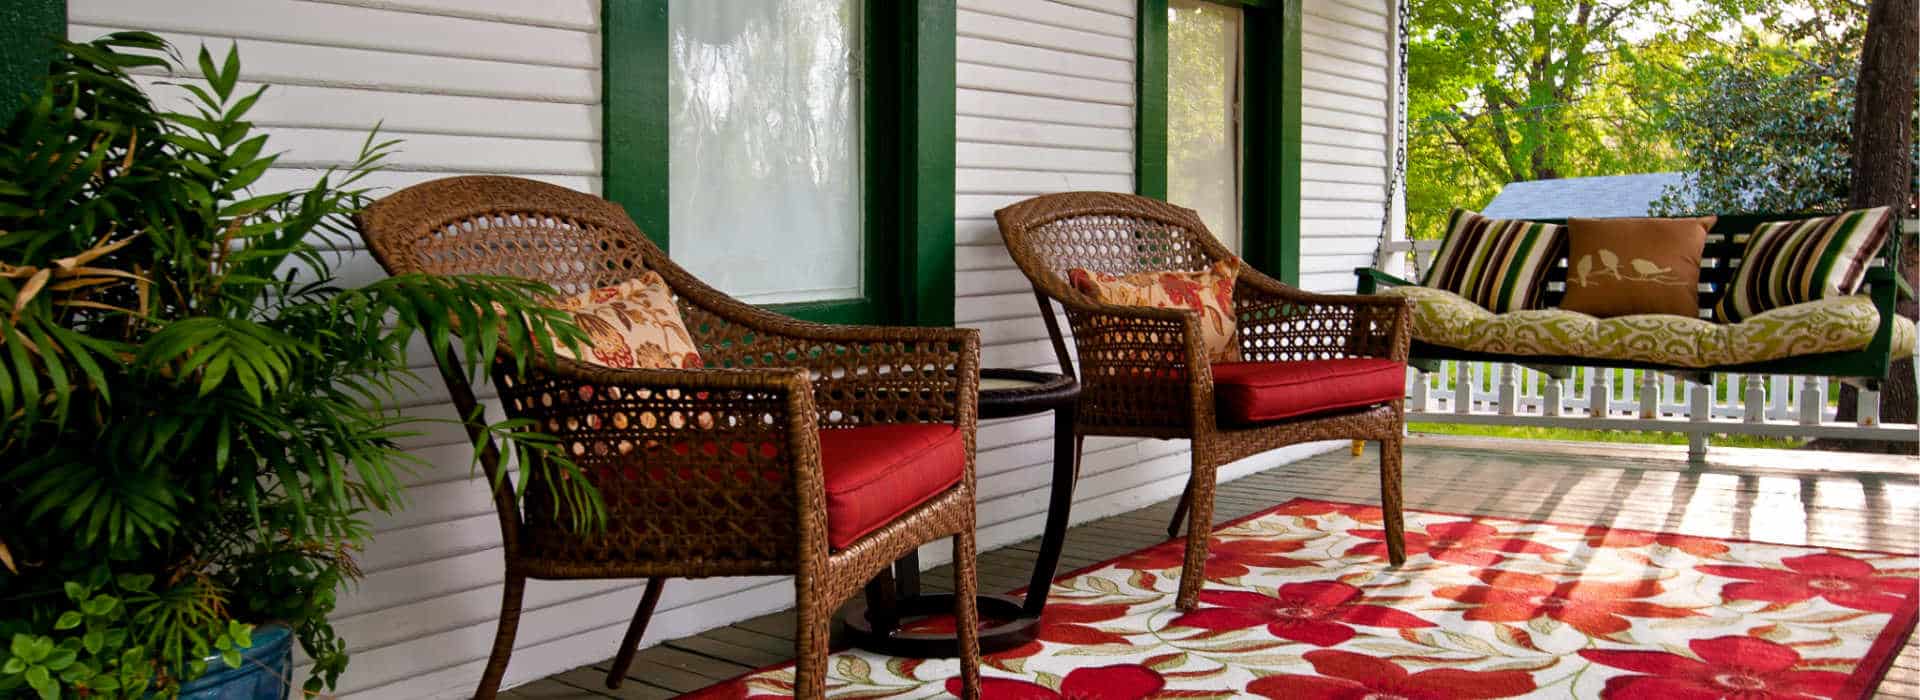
583 15
411 31
1045 102
321 65
469 87
1346 78
1046 122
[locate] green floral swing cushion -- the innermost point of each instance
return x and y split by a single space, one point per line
1836 324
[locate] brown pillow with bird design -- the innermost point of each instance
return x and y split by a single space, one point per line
1621 267
631 324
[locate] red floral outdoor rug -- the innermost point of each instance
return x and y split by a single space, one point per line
1299 603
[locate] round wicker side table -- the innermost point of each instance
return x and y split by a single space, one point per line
875 623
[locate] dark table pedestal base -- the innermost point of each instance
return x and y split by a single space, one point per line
873 624
1011 629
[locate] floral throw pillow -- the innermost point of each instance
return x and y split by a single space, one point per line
1209 292
633 324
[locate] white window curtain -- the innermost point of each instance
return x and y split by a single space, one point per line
765 169
1203 113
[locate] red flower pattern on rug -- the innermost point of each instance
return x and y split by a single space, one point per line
1728 667
1349 676
1071 624
1612 538
1307 508
1123 682
1061 623
1462 542
1596 608
1840 580
1225 558
1321 613
1299 604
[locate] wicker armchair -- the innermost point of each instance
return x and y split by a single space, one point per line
705 472
1144 371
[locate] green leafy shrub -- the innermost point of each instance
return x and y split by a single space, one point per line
1766 125
1764 136
195 417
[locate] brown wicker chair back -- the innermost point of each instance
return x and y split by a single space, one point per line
704 472
1104 232
507 226
1144 372
745 522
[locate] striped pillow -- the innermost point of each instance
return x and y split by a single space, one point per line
1499 264
1794 262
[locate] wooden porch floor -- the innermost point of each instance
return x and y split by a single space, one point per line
1827 499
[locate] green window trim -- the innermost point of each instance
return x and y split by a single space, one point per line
909 152
1150 116
27 32
1270 141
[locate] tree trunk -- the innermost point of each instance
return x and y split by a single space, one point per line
1883 110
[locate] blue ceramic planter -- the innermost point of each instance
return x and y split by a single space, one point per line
265 672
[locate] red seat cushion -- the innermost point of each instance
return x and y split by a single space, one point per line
1258 392
876 473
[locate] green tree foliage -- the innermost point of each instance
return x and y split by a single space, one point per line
1765 133
1765 123
1512 90
1203 45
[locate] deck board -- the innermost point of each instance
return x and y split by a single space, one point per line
715 647
1776 496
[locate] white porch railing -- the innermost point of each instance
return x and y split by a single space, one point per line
1490 393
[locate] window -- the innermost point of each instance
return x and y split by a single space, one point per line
793 153
1203 113
764 172
1218 125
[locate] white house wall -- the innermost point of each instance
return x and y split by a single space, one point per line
1045 103
1343 133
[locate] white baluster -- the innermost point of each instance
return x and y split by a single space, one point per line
1732 403
1756 399
1779 397
1422 395
1700 409
1649 395
1599 392
1529 388
1509 389
1550 401
1813 400
1671 400
1867 411
1463 388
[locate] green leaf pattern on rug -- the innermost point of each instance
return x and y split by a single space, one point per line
1551 611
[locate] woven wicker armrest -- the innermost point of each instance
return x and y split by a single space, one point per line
864 375
1278 322
860 374
1137 365
1115 337
731 454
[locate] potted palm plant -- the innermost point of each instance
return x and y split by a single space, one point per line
195 418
